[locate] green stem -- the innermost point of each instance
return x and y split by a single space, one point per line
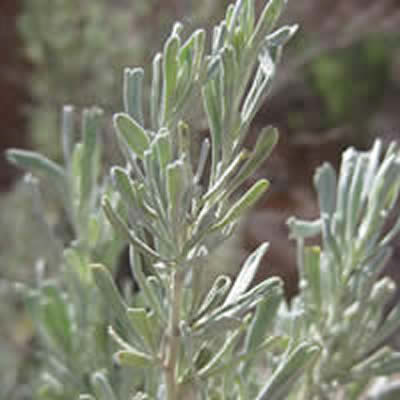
173 334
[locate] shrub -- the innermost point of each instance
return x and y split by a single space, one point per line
177 337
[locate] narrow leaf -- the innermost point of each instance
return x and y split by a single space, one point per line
170 74
132 93
289 371
90 127
155 91
243 204
132 133
67 126
140 323
121 227
267 20
102 387
36 163
246 274
265 313
325 184
105 283
134 359
312 273
281 36
266 142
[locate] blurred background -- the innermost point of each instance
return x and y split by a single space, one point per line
338 85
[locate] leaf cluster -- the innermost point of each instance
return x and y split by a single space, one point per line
178 338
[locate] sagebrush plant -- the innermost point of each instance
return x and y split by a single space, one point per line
177 337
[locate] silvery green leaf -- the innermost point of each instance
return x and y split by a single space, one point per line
246 274
155 91
151 297
101 387
279 343
234 18
266 312
382 291
325 184
90 151
184 145
243 303
203 356
247 19
330 242
312 272
176 183
76 262
141 324
229 13
390 326
218 37
379 197
129 355
132 133
266 141
267 20
386 175
132 93
289 371
134 359
387 391
75 170
373 163
388 364
105 283
212 328
259 87
238 41
344 181
67 126
170 74
186 52
243 204
355 206
155 184
200 36
177 28
37 163
191 52
51 387
300 229
372 270
94 230
124 185
204 151
230 67
395 229
141 396
55 317
162 146
226 348
223 180
281 36
215 295
86 397
211 105
119 224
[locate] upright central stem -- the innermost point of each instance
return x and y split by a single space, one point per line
173 337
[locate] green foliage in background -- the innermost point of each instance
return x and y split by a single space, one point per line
179 336
351 81
74 42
